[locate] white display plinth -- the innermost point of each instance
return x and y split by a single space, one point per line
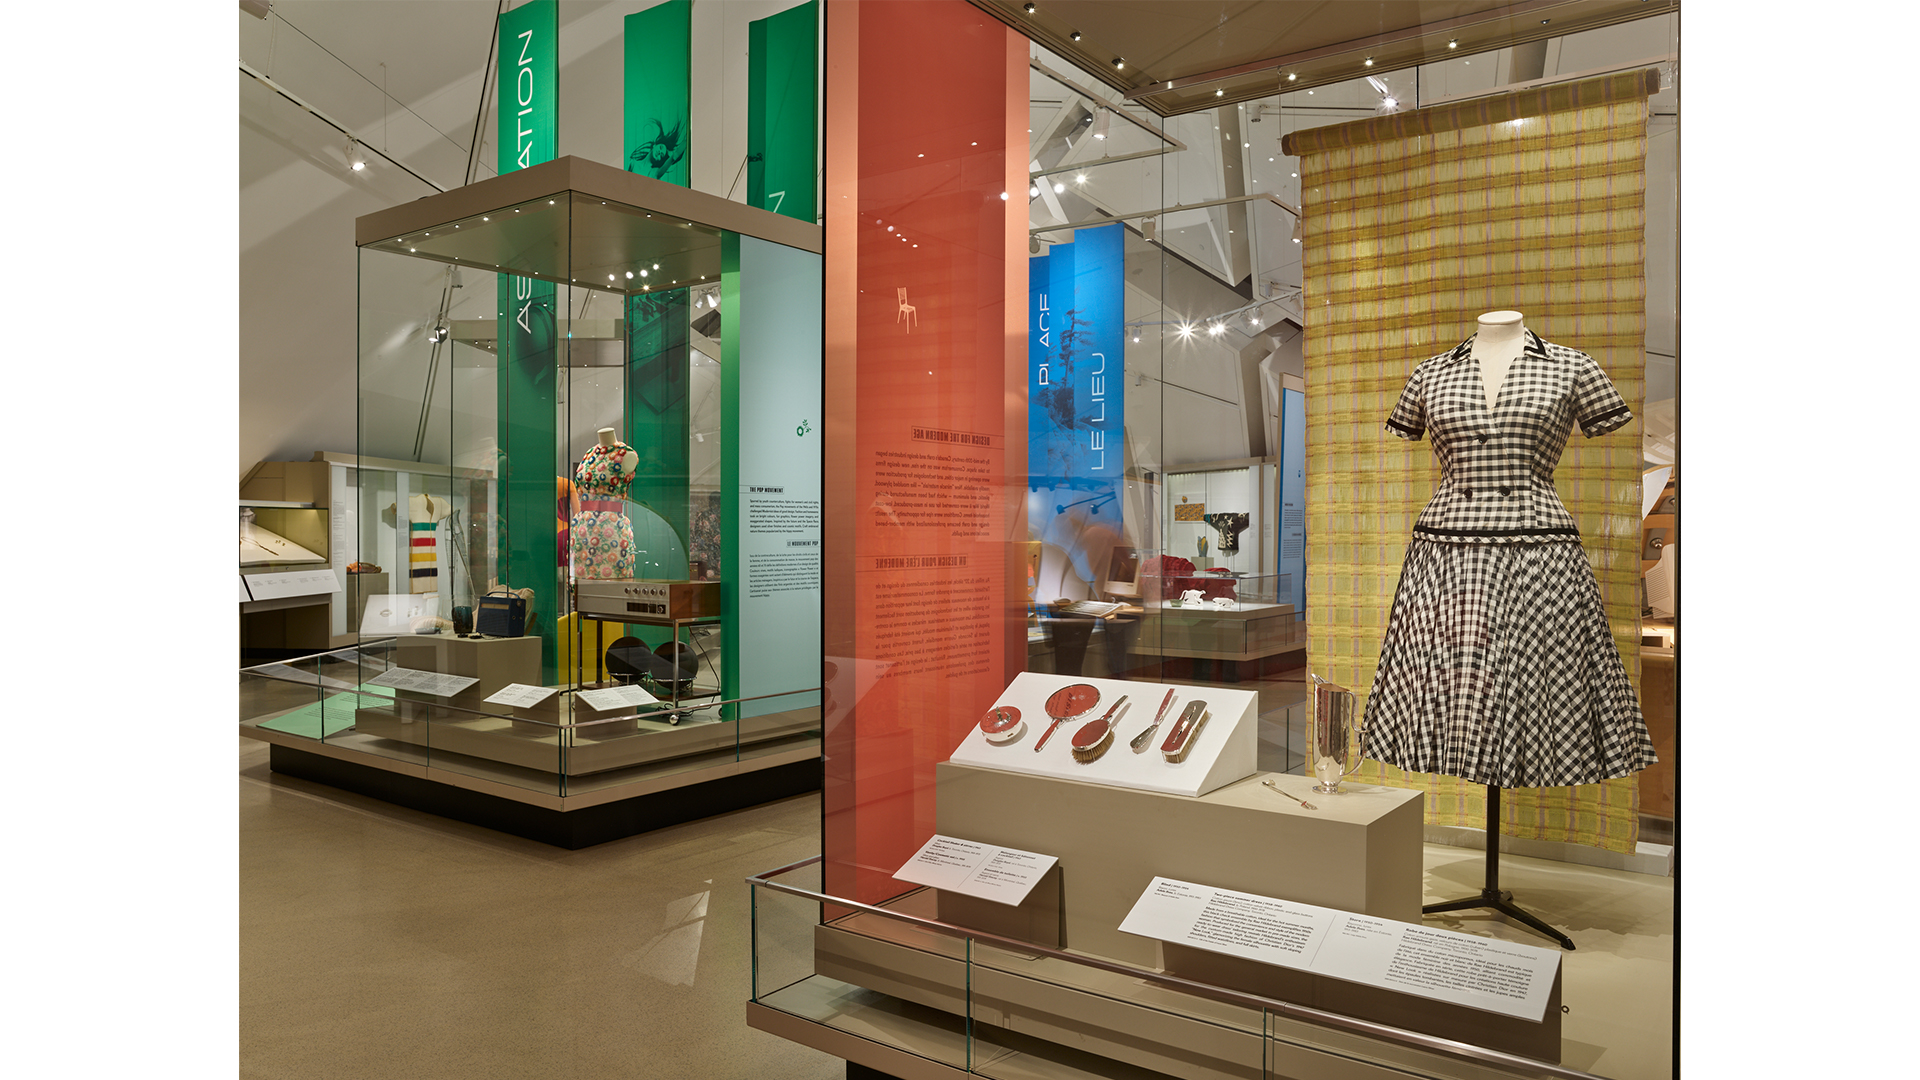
1224 751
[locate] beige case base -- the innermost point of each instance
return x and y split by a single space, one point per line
1360 851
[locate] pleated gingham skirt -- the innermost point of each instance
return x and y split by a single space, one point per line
1499 668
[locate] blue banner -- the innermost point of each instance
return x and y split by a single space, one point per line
1076 405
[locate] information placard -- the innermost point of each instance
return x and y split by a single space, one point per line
293 583
990 872
422 682
615 698
1494 976
522 696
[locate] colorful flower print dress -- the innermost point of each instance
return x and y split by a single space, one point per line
602 538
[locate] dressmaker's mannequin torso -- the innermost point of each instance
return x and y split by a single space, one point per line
1501 339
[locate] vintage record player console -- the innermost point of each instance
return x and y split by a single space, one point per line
636 601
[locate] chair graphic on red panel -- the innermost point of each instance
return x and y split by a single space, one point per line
907 311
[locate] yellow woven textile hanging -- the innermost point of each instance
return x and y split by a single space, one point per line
1415 224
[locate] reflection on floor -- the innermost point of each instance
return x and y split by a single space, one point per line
380 942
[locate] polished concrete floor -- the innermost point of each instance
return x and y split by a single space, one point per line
378 942
381 942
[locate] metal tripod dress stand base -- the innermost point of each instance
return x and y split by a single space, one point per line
1491 896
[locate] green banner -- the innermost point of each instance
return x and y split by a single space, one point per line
526 365
782 74
659 91
658 105
659 423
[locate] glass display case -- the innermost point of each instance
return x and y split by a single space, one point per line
587 483
1063 350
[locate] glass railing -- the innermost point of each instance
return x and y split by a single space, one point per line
376 699
896 980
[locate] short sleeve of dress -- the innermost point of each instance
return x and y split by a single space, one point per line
1409 416
1599 406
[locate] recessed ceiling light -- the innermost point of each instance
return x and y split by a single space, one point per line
1075 35
1028 7
1119 63
1292 75
1454 44
1219 93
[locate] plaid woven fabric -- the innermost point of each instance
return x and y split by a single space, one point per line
1415 223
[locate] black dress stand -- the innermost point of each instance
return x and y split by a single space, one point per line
1491 896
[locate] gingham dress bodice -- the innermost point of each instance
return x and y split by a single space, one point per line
1497 464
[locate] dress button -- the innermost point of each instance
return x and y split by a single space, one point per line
1506 491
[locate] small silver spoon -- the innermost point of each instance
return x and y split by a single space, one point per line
1295 798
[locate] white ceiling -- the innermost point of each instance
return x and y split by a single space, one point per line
406 77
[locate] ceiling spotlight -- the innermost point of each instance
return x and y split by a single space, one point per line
1292 75
1369 61
1119 63
1186 330
1003 196
1389 103
1219 93
1080 179
439 334
1033 191
1454 44
355 159
1217 329
629 275
1100 124
1058 188
1075 35
1028 8
1136 337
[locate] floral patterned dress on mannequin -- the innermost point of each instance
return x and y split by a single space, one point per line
602 538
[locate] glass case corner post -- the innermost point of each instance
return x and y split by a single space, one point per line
529 442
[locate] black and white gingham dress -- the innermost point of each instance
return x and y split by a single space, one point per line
1498 665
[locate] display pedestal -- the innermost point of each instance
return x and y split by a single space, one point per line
1360 851
1036 919
497 662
